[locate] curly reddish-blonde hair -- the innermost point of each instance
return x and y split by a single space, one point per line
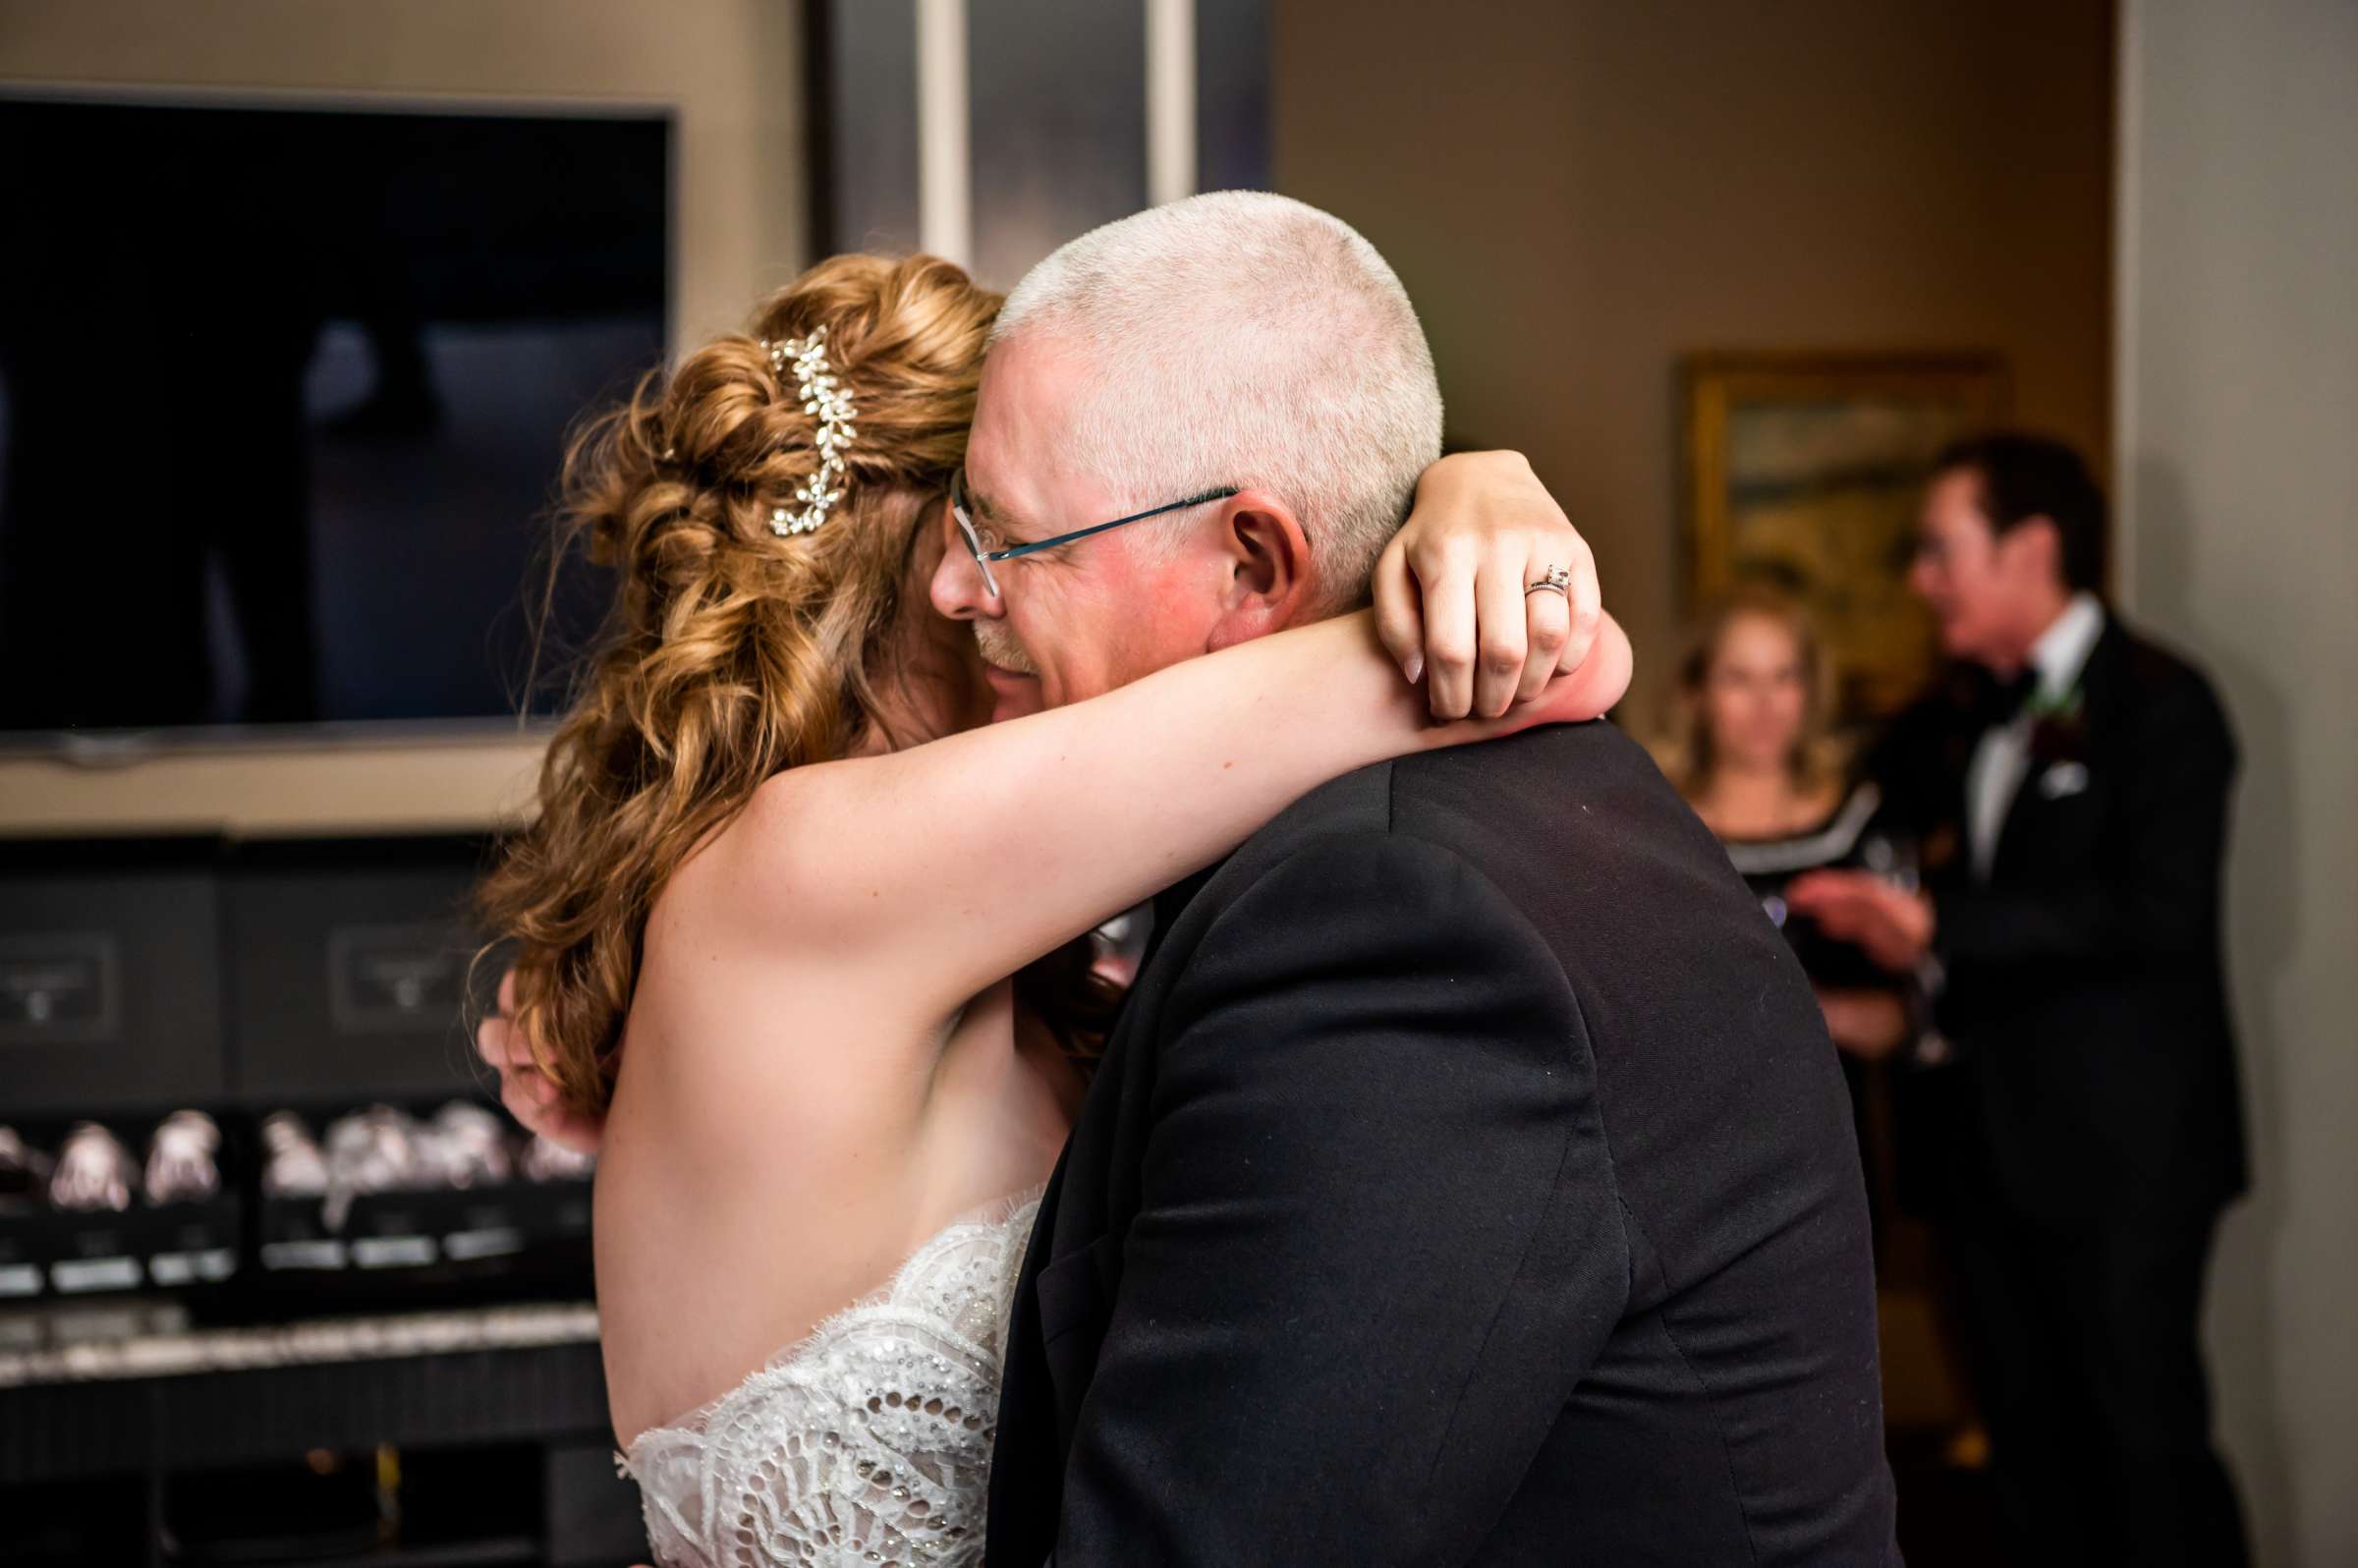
729 653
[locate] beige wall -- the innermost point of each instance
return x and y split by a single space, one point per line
729 68
2239 466
1578 192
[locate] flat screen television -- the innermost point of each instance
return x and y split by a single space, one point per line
284 393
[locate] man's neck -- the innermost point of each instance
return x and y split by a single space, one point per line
1744 780
1751 801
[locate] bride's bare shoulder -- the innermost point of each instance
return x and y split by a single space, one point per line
762 873
778 868
747 938
734 1033
740 908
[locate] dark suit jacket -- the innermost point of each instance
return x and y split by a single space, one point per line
2085 988
1469 1180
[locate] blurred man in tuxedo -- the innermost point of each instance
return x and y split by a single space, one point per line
2070 781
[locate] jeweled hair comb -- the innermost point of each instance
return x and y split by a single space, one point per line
828 402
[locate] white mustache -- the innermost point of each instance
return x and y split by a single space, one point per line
1000 647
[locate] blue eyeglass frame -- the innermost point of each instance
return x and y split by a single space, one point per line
984 557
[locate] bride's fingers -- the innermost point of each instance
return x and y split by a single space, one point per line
571 1130
1505 637
1548 626
495 1040
1446 580
527 1096
1399 610
1585 604
535 1104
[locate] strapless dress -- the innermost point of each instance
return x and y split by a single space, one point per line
868 1442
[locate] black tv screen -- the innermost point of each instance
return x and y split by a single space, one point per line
283 392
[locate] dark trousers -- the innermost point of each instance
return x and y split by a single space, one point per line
2082 1346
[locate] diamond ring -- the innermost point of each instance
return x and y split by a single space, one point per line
1557 581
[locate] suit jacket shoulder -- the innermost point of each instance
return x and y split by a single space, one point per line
1541 812
2139 683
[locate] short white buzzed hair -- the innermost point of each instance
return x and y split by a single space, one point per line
1246 338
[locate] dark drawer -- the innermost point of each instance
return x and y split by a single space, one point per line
110 983
349 968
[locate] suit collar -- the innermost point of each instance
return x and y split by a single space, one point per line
2102 671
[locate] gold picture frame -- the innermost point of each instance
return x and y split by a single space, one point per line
1804 469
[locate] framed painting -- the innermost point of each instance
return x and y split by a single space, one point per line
1805 471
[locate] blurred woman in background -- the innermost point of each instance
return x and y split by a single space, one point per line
1754 754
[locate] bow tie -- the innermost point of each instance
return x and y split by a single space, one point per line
1999 701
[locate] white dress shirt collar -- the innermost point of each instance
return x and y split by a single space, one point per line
2062 649
2002 759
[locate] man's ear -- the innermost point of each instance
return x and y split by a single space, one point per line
1263 556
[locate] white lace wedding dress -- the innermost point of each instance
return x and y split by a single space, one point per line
867 1444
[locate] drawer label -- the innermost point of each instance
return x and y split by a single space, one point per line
59 986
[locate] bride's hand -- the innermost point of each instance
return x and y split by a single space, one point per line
523 1088
1450 588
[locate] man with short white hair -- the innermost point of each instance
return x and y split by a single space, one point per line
1239 349
1468 1178
1286 311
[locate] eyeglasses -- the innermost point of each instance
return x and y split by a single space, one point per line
981 541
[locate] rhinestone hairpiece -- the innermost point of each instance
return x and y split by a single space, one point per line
829 402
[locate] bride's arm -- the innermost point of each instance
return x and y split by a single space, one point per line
946 867
1449 597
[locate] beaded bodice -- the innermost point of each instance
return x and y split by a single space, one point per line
867 1444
